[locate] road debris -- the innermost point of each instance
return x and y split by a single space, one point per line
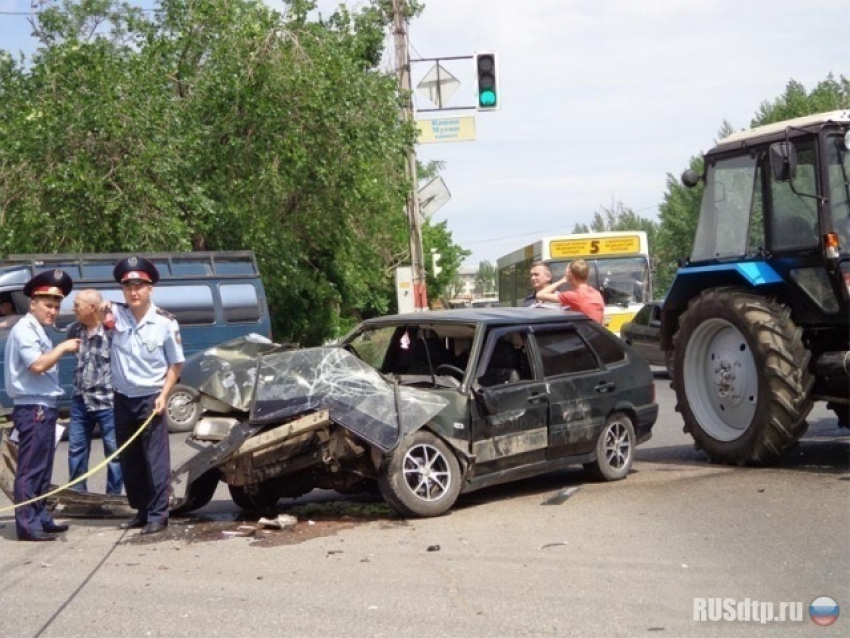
548 545
433 548
282 521
561 496
243 531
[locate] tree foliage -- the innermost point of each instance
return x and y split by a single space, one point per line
437 239
485 278
214 126
679 211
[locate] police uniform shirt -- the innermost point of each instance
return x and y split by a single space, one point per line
142 351
26 343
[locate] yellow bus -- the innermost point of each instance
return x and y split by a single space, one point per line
619 269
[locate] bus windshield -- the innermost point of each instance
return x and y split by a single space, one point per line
622 281
619 269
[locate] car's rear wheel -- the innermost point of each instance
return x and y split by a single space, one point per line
183 409
258 498
615 449
422 477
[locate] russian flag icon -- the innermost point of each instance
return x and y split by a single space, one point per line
823 611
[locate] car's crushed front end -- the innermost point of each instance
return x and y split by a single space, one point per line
298 420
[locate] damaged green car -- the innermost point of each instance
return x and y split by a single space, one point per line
423 407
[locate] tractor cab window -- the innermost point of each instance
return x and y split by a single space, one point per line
838 159
727 206
794 218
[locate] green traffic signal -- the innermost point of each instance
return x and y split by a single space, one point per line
487 98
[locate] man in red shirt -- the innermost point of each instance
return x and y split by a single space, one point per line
582 297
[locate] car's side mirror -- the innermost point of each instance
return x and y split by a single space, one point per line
690 178
783 161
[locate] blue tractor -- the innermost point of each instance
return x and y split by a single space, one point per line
758 319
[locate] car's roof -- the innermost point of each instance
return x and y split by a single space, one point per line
488 316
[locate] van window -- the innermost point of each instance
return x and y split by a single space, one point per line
72 269
190 267
190 305
98 270
565 353
240 303
234 267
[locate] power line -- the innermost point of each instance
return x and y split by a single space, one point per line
540 232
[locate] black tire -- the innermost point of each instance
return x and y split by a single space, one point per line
198 493
741 376
263 498
422 477
615 449
670 363
183 409
842 411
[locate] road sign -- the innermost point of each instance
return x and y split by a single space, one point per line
446 129
433 196
438 85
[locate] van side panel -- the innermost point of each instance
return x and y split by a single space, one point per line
215 297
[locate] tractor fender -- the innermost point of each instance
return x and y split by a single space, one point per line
691 281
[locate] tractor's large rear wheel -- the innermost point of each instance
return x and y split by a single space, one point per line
741 376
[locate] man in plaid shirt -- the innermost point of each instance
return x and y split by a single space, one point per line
93 395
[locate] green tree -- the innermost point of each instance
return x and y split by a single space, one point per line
213 126
616 218
485 278
437 239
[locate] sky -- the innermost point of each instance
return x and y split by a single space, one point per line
601 99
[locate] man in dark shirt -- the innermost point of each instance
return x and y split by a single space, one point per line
92 401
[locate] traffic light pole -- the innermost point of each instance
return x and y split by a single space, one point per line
402 63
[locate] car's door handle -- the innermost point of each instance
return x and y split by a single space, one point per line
605 386
538 397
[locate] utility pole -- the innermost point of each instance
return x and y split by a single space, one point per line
402 63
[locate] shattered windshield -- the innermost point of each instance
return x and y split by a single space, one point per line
357 396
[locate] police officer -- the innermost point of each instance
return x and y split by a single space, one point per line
147 356
32 381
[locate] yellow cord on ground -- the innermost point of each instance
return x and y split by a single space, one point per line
91 472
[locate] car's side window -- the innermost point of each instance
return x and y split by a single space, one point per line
656 312
565 353
602 342
642 317
509 362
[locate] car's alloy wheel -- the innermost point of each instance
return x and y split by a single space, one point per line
615 449
422 477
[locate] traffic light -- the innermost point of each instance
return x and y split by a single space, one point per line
486 82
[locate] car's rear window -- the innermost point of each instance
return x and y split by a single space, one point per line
603 343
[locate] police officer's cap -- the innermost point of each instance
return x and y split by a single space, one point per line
51 283
135 269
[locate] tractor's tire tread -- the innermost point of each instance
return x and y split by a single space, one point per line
781 357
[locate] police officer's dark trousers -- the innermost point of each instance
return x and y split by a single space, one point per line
36 426
146 463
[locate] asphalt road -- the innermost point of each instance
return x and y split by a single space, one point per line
617 559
